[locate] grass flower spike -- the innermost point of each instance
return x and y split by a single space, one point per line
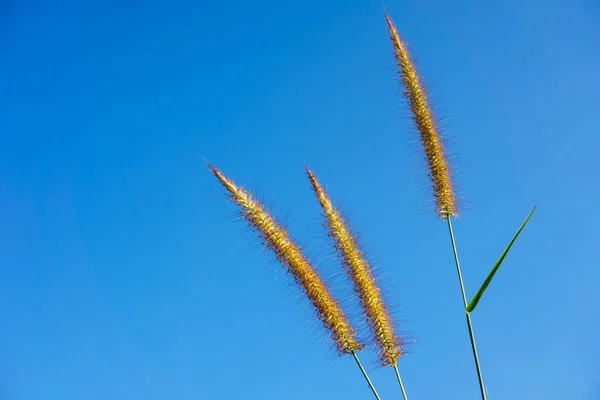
423 118
389 347
380 323
290 255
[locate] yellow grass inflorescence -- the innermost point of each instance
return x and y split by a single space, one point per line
380 323
437 161
290 255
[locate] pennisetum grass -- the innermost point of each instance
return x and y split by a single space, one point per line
389 346
289 254
274 237
439 173
435 155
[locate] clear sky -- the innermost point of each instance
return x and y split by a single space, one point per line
124 273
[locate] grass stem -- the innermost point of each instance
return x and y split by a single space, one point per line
469 324
365 375
400 381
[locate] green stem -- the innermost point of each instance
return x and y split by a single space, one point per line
464 297
366 376
400 381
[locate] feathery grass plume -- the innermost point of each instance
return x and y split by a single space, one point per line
389 347
290 255
439 170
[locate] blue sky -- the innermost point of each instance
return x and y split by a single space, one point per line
126 275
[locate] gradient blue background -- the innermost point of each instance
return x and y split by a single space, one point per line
124 273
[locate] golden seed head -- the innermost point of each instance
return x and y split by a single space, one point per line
276 238
423 118
380 323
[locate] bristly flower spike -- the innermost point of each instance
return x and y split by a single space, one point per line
276 238
422 115
359 271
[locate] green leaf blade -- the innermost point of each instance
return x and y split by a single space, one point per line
473 303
